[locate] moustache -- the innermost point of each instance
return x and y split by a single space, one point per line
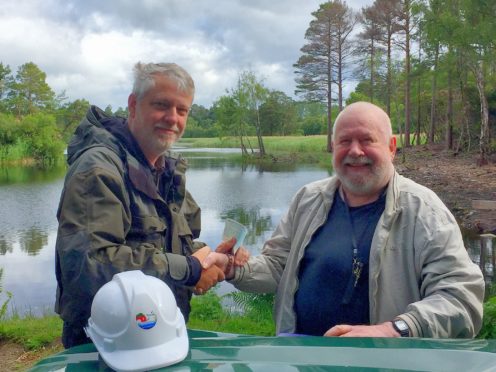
174 128
363 160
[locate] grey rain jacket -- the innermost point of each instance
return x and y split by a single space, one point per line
112 218
419 268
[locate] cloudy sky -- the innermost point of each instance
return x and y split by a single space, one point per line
88 48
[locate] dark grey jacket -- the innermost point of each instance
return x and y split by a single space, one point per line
117 214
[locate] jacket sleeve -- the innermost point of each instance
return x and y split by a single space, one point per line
94 218
451 285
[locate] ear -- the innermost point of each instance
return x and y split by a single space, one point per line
131 105
392 146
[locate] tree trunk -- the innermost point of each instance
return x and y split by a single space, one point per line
449 124
432 126
329 105
261 146
407 80
372 61
419 84
484 133
388 82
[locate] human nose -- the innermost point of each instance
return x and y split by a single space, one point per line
355 149
170 115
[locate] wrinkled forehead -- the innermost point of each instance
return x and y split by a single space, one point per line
363 119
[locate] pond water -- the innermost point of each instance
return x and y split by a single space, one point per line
255 196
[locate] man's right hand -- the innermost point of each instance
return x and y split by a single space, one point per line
211 275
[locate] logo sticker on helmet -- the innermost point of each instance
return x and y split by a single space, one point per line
146 321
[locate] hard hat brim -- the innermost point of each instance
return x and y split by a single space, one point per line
164 355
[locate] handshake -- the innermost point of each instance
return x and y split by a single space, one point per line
219 265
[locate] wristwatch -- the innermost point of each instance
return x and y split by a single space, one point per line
401 327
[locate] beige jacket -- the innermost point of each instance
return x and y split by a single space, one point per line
419 267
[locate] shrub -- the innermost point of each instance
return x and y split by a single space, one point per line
489 321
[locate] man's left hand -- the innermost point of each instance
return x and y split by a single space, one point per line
242 255
345 330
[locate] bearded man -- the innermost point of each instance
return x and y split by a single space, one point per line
125 205
367 252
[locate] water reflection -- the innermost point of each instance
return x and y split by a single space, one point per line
482 251
22 175
256 223
32 240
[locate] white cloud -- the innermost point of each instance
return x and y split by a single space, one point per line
88 49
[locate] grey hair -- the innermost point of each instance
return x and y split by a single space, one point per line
144 77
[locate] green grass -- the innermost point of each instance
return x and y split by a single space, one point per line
272 144
283 149
279 149
31 332
14 153
207 314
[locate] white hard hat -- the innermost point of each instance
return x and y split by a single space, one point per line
136 325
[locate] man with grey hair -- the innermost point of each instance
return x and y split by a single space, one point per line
125 206
367 252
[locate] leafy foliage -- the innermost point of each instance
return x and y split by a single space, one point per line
257 305
489 321
43 137
3 307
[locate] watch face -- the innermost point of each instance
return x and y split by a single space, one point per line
401 325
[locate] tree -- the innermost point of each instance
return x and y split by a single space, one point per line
108 110
230 118
368 50
70 115
6 80
408 22
122 112
240 110
253 94
476 39
431 16
29 92
387 12
278 114
324 58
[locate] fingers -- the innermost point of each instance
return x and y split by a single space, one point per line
338 330
217 259
241 257
209 278
202 253
226 246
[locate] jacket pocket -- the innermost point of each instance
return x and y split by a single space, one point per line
184 235
149 229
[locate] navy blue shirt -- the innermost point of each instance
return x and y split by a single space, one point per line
326 269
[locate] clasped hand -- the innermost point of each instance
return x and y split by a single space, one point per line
215 264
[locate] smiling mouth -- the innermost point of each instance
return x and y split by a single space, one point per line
166 130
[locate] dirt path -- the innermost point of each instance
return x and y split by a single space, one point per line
457 180
15 358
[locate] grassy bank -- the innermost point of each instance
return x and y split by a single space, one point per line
40 337
290 149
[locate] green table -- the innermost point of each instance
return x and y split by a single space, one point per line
213 351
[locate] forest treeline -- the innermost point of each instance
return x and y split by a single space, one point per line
429 63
